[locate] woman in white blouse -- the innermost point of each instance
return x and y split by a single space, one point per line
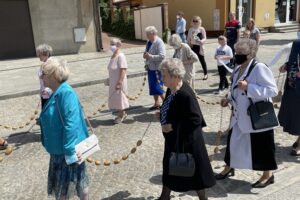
248 148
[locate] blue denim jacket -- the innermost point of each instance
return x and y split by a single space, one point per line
59 136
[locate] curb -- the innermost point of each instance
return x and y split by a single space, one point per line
74 85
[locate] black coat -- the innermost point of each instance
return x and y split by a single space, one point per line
186 118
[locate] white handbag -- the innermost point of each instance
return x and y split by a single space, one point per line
88 146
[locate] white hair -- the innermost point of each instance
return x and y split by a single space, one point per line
57 69
175 40
44 49
116 41
246 46
151 29
173 66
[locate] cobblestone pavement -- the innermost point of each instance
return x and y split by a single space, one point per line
24 172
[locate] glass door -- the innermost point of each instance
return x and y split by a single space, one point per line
286 11
244 10
293 10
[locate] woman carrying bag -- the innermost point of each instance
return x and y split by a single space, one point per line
182 121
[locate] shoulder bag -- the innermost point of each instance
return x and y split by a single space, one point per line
181 164
262 113
88 146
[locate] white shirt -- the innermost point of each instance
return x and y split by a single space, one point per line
223 51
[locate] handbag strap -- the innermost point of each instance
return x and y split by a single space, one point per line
62 120
253 64
177 140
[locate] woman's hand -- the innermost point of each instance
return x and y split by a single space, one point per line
243 85
118 86
282 69
167 128
224 102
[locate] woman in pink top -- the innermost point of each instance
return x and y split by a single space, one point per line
117 81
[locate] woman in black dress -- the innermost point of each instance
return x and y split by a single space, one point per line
289 113
181 114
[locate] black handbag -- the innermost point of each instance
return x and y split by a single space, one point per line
262 115
181 164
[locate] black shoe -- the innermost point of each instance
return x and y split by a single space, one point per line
294 153
263 185
295 145
223 176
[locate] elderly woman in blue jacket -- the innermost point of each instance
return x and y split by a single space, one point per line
62 127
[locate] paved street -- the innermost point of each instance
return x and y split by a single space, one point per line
24 172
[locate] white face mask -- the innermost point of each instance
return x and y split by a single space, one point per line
113 48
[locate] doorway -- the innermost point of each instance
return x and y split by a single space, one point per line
244 10
16 30
286 11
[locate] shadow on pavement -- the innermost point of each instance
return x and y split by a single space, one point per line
272 42
125 195
23 138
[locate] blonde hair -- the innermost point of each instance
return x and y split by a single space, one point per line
57 69
173 66
116 41
222 37
246 46
199 21
253 24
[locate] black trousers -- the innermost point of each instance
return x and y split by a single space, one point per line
223 79
196 49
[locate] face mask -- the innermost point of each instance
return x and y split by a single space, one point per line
240 58
113 48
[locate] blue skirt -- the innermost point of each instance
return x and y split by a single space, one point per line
66 180
155 87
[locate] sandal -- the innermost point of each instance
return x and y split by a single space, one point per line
3 144
154 108
119 120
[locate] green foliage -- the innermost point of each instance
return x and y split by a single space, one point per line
165 35
121 28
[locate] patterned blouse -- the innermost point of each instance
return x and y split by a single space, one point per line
165 108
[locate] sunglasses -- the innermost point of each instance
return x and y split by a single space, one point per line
195 21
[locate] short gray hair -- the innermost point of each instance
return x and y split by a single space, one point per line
116 41
44 49
246 46
151 29
57 68
173 66
175 40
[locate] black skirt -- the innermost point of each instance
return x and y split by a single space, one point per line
203 177
289 113
262 150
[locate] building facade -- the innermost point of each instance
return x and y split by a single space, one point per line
69 26
214 13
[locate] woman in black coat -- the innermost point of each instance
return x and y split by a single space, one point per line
180 115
